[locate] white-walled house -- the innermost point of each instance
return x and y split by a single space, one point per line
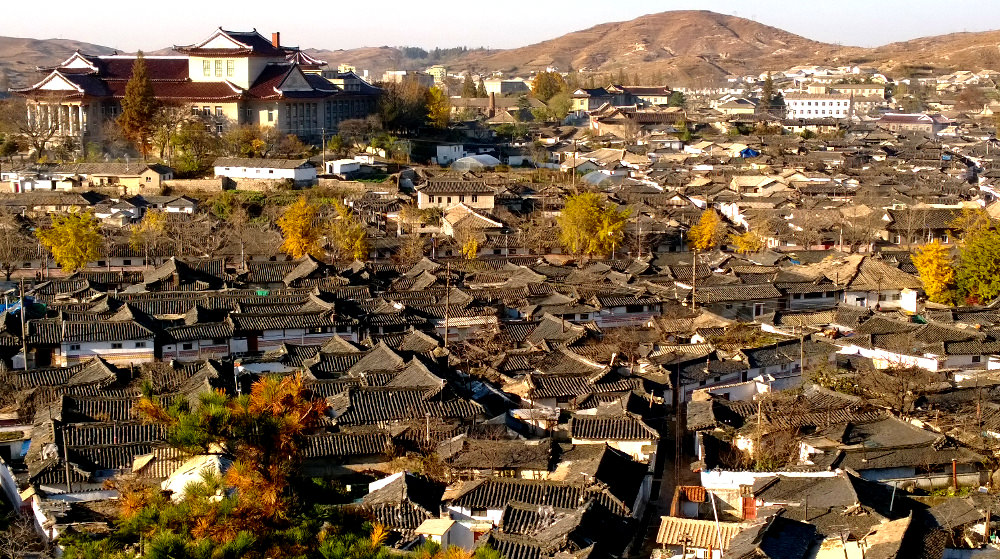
298 170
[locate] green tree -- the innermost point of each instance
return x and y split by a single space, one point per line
337 146
299 231
196 146
676 99
139 107
546 84
73 239
481 89
589 226
766 95
560 105
468 87
978 274
438 108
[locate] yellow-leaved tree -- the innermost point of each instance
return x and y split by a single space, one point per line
348 234
147 235
748 242
470 249
708 233
73 239
589 226
934 264
438 108
299 230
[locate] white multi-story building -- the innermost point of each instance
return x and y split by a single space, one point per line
804 105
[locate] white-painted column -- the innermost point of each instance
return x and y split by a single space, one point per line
83 119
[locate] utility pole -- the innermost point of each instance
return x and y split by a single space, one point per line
69 480
323 139
694 275
447 304
573 168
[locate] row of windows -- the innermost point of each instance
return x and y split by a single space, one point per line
229 66
822 112
441 199
820 103
114 345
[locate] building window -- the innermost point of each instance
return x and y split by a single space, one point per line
206 67
195 111
230 68
461 198
218 68
270 115
116 345
207 111
975 358
140 344
126 262
475 198
74 347
218 112
218 128
187 346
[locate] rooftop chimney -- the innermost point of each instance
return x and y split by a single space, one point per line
276 39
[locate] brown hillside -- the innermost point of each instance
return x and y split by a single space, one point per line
965 51
20 56
681 44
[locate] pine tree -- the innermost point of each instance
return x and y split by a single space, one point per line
468 87
139 107
767 95
481 90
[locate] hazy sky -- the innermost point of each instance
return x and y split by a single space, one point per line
334 24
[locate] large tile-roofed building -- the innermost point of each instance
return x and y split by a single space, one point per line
230 78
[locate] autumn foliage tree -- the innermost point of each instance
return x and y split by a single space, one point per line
348 236
546 84
748 242
708 233
139 107
256 507
934 264
73 239
590 226
147 236
438 108
299 229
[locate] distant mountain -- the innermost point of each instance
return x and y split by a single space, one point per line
685 47
19 57
955 51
